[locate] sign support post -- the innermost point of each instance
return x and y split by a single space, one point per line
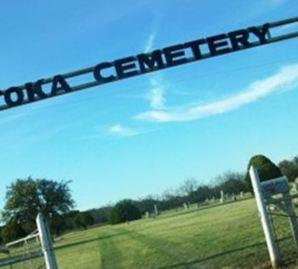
46 243
267 226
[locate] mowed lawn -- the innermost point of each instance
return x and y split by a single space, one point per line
226 236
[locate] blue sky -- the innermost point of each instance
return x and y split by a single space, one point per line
146 134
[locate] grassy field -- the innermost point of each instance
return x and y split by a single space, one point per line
227 236
224 236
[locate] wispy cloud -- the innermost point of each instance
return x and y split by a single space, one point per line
150 42
285 77
121 130
155 95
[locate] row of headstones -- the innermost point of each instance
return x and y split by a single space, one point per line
223 197
294 185
154 214
294 190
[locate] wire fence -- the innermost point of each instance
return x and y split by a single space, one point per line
103 248
25 253
283 234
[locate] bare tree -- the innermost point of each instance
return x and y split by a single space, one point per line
189 185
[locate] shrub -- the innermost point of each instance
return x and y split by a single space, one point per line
123 211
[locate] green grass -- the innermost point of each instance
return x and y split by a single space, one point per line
227 236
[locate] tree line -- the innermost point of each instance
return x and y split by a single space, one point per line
25 198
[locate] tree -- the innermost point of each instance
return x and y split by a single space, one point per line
146 204
231 183
189 185
101 215
25 198
266 169
68 220
11 231
57 223
123 211
289 168
1 236
88 219
202 193
83 220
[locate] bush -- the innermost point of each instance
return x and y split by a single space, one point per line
83 220
289 168
266 169
123 211
12 231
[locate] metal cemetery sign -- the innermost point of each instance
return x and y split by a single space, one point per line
275 186
274 192
143 63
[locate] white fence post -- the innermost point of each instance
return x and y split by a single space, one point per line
46 243
267 226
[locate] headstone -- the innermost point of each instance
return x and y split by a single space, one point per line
296 184
241 195
147 215
156 210
272 207
222 196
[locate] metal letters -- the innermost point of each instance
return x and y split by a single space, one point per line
179 54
